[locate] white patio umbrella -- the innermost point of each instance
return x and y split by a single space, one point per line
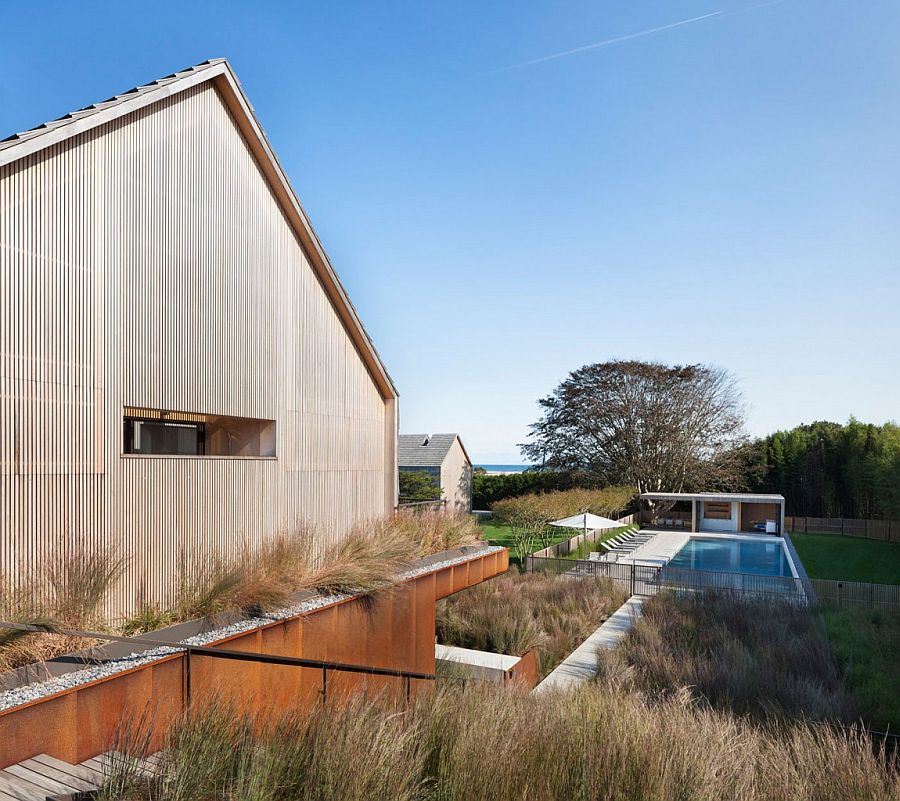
587 522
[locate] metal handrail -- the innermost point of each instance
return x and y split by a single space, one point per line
240 656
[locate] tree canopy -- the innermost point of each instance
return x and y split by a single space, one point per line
645 424
418 486
831 470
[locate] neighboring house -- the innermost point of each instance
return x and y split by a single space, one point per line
444 457
180 367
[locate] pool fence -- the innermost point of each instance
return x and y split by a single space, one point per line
646 580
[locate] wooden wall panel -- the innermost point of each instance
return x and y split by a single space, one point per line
456 479
147 263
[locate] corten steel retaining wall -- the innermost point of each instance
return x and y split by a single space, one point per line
395 630
524 675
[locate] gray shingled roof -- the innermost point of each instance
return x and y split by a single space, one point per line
95 108
413 453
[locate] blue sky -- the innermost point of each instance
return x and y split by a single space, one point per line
726 190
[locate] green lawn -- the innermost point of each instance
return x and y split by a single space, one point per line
866 647
866 643
836 556
583 551
502 535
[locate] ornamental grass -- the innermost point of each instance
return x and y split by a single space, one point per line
486 743
518 611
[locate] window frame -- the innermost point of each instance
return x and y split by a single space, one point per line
128 435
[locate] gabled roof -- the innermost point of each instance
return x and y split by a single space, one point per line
425 450
219 72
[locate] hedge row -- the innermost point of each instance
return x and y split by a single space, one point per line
537 509
488 489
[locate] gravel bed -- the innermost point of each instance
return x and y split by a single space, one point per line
31 692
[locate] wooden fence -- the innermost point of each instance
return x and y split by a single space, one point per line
574 543
885 530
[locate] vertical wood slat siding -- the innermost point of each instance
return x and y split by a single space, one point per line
456 479
147 263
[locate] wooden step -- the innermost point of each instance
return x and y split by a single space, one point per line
113 762
61 772
46 778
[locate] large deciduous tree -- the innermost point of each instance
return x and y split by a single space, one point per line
646 424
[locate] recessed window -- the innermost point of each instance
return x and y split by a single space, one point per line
164 437
164 433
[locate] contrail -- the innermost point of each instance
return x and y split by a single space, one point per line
618 39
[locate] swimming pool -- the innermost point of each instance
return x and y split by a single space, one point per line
755 557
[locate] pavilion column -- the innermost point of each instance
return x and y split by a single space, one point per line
693 515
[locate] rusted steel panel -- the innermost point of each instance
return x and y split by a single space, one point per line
525 674
395 630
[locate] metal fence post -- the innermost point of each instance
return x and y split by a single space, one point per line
632 578
187 679
324 683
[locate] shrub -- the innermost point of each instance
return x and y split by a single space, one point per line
540 509
416 486
488 489
147 618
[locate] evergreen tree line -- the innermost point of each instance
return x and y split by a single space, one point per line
832 470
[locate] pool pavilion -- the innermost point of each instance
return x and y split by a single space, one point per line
713 512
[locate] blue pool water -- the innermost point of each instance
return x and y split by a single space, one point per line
734 556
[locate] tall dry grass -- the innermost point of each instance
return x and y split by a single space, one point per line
72 588
484 743
518 611
68 593
367 560
751 656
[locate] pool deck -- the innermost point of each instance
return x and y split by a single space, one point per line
665 544
658 551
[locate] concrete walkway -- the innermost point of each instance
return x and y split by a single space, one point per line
581 665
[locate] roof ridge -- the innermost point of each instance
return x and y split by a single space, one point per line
65 119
